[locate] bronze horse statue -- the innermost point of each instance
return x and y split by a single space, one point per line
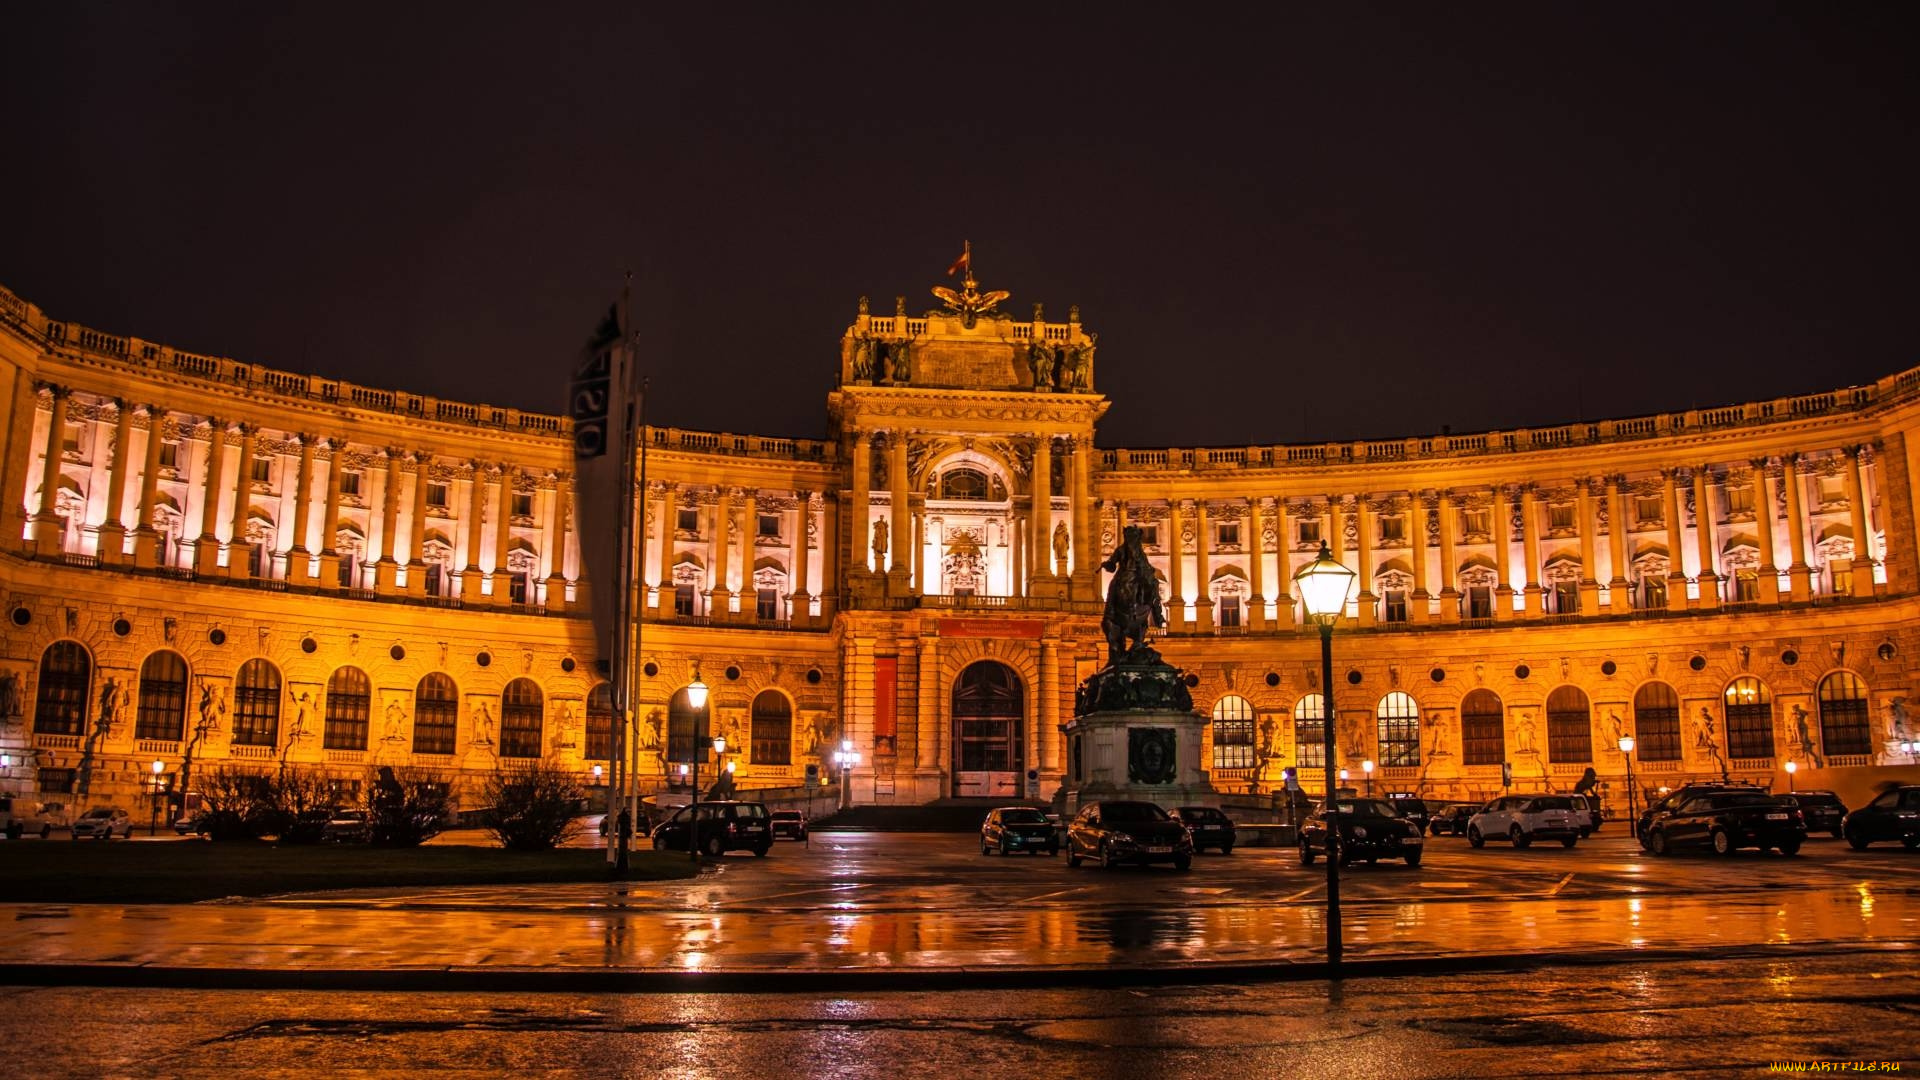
1133 598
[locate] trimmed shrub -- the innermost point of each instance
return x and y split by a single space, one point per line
532 807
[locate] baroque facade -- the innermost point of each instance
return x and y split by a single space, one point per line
214 561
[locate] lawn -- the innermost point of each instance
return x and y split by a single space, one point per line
116 872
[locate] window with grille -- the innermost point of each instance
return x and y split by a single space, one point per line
1399 719
1229 612
1560 517
1749 719
262 470
600 723
349 699
1309 732
1740 498
1647 511
1569 726
1483 730
1150 536
1566 598
1396 605
766 604
772 729
517 587
1653 592
436 713
56 781
1843 715
683 600
522 709
1233 746
1746 586
163 698
1479 602
60 702
687 521
350 483
1656 723
256 704
437 496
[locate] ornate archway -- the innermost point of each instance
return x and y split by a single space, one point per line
989 730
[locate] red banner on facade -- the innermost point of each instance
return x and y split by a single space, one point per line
997 628
886 680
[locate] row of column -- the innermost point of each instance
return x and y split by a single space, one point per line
664 552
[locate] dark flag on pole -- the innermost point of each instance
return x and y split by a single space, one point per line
602 441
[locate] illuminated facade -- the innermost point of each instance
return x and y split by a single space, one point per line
257 567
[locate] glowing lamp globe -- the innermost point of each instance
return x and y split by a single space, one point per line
1324 586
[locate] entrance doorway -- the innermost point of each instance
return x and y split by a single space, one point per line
989 722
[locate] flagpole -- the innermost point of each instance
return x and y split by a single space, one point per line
620 667
638 582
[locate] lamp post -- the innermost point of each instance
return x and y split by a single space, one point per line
846 758
1323 586
697 699
1367 767
1792 767
1626 748
153 819
720 762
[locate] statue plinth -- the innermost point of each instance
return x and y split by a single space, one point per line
1134 735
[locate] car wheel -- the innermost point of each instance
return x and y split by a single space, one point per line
761 851
14 831
1106 858
1226 849
1570 840
1722 842
1520 839
1003 848
985 848
1910 841
1790 847
1474 838
1073 857
1306 854
1584 833
46 832
1839 833
1052 850
1183 864
1657 842
1413 859
1857 842
714 848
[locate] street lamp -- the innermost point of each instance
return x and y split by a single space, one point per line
720 758
596 776
1323 586
1367 767
1626 748
846 758
153 820
1792 767
697 700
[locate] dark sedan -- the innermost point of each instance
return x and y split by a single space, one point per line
1017 828
1452 821
1727 821
1413 808
1369 829
1893 815
1825 812
1210 828
1118 831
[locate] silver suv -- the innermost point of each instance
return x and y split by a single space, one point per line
1526 818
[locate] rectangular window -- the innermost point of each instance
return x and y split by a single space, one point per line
346 571
517 588
170 455
1569 736
433 725
766 605
1309 533
769 525
262 470
1479 602
1740 499
683 600
1566 598
1657 730
56 781
523 504
1309 746
1842 577
1746 586
1483 736
350 483
437 496
687 521
1229 612
1750 731
1653 591
70 439
1647 511
1150 535
436 579
1475 521
1560 517
1396 605
1233 744
1832 489
1393 530
1228 535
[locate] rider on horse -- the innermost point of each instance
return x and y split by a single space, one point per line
1133 597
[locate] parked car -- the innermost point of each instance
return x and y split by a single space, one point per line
1370 829
191 824
791 824
1675 797
1208 826
1824 810
1892 815
1524 819
347 827
1452 821
1413 808
19 817
1727 821
1592 814
723 826
1017 828
104 823
1121 831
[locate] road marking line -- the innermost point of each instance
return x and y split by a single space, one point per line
801 892
1555 891
1056 892
1446 884
1301 893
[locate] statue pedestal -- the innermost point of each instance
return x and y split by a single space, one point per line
1135 735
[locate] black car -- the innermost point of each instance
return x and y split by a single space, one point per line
1369 829
1825 812
791 824
1413 808
1675 797
1122 831
724 826
1017 828
1728 820
1452 821
1892 815
1208 827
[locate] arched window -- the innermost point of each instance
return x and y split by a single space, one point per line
600 723
1483 729
163 698
60 703
436 713
522 709
964 483
1749 718
1656 723
1233 733
1569 726
687 729
1399 719
256 704
349 699
1310 732
772 729
1843 715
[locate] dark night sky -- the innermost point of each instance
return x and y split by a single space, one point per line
1485 215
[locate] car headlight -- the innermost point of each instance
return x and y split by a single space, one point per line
1359 832
1120 838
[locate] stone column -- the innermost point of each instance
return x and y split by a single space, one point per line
1703 538
386 571
1617 587
900 553
206 549
146 539
240 565
830 518
669 528
1086 532
48 531
1863 554
1257 569
1417 505
1336 534
1017 557
557 542
1530 551
1676 561
1769 573
719 595
859 532
1368 600
1039 545
797 561
299 563
1449 569
1176 568
1203 568
417 533
919 550
502 537
1502 536
1589 580
113 531
928 752
330 524
1283 562
749 537
1799 574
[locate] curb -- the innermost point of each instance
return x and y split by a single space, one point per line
780 981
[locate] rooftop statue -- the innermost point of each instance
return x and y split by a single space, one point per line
969 303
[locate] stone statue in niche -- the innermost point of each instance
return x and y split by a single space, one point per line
1805 736
863 350
482 725
1061 541
109 706
396 721
879 543
10 695
649 733
1041 357
900 359
1524 734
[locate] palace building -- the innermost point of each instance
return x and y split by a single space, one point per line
252 568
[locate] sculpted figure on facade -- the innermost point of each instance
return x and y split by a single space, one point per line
863 349
9 696
1061 542
879 543
1804 737
900 359
1040 360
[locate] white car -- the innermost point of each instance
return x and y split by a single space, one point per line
103 823
1526 818
18 818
